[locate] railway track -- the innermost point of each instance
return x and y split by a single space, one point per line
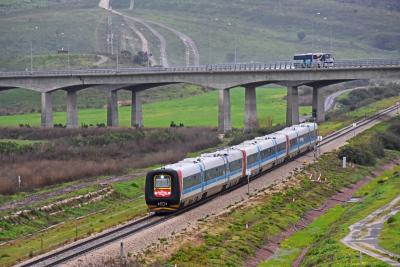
90 244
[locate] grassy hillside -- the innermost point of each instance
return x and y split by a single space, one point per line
263 30
200 110
19 101
268 30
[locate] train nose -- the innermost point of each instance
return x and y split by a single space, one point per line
162 193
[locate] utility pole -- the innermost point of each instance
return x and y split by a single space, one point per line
312 26
132 5
36 28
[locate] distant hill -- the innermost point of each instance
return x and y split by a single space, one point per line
261 30
258 30
393 5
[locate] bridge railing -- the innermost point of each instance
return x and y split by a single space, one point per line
239 67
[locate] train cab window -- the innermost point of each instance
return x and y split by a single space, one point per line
162 185
162 181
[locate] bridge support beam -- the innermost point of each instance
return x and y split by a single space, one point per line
72 109
250 119
318 104
112 109
224 118
292 111
136 115
47 111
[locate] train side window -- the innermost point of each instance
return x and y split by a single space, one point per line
191 181
235 165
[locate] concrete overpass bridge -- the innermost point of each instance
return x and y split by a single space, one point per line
222 77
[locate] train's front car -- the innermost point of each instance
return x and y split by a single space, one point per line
162 190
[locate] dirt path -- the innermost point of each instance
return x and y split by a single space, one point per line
144 42
31 199
161 39
190 45
364 234
331 99
102 59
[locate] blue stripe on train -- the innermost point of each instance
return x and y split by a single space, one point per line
214 180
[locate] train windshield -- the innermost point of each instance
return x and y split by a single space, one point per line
162 181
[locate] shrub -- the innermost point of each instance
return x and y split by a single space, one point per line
357 155
390 140
391 220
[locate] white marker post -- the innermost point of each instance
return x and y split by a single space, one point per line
19 182
398 105
354 129
122 252
344 162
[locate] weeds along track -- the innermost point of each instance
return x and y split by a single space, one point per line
358 124
102 239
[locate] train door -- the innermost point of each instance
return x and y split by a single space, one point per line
202 173
227 170
275 148
258 157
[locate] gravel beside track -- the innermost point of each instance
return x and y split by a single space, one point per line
188 220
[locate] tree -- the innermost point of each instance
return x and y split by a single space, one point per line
141 58
301 35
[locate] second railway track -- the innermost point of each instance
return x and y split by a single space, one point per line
81 247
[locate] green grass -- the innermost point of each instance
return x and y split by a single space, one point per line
22 142
389 237
261 31
291 248
19 101
129 196
325 229
336 123
375 194
199 110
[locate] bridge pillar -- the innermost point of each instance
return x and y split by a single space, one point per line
72 109
47 111
136 115
318 104
292 111
224 118
250 119
112 109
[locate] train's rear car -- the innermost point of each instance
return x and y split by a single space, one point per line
162 190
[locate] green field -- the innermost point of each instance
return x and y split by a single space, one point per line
199 110
389 237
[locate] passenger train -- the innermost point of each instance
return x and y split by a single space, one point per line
181 184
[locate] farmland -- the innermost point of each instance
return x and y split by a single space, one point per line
199 110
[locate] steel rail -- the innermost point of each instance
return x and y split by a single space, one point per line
136 226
